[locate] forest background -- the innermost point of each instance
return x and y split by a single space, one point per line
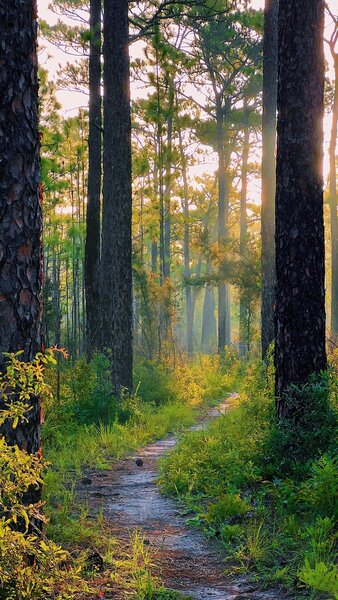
194 329
174 183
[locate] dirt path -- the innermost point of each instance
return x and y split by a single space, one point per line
187 561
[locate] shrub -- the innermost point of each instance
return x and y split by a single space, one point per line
309 428
31 567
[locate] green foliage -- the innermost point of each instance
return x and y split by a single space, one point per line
309 428
154 382
273 516
31 566
321 577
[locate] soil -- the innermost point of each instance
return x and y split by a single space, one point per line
185 559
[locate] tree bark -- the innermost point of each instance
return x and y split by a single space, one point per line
333 207
300 293
270 52
93 233
116 284
20 225
243 302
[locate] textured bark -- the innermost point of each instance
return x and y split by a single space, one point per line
116 287
243 302
20 225
93 233
333 206
270 52
300 294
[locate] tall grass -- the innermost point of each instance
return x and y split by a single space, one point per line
275 516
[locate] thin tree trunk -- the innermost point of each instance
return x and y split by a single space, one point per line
208 319
67 304
223 209
270 52
186 249
333 207
300 267
116 284
154 254
243 301
168 183
20 226
93 235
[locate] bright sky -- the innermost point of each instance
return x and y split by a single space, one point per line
71 101
52 57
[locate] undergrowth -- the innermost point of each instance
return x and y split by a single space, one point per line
55 549
87 427
267 493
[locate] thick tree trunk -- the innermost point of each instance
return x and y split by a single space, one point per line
269 171
300 293
243 302
333 207
20 226
93 233
116 284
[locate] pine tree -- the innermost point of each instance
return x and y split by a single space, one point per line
270 52
300 293
116 284
20 225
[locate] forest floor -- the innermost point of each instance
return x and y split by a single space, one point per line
180 556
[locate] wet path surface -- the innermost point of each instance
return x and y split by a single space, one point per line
187 561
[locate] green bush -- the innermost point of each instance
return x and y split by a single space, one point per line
153 382
274 515
309 429
31 566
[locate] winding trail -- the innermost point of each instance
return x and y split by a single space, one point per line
186 560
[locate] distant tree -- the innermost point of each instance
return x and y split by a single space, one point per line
20 225
270 66
116 262
300 293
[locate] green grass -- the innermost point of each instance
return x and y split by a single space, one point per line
88 427
274 517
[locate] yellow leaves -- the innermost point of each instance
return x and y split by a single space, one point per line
22 511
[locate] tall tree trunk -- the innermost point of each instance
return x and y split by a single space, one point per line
223 209
116 284
243 302
168 182
208 319
186 250
93 234
300 293
154 254
270 68
333 206
20 225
